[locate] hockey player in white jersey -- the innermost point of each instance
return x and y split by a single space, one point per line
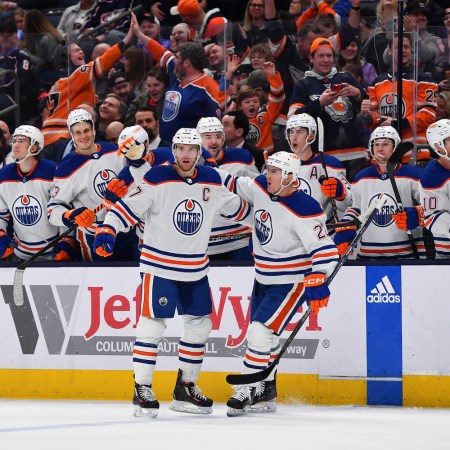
178 204
384 238
80 184
25 187
293 258
435 189
236 161
301 132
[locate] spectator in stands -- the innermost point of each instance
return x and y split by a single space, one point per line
236 127
157 82
113 131
41 39
418 112
18 16
191 94
180 33
366 27
203 27
337 106
259 54
443 105
350 54
19 64
5 144
319 10
145 116
74 17
216 59
254 23
111 109
118 84
137 64
150 26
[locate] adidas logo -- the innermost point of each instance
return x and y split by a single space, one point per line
383 292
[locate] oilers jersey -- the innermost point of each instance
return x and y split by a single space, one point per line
382 239
289 234
310 173
239 162
81 180
178 214
23 199
435 198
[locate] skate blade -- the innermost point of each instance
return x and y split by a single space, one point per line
263 407
150 413
232 412
189 408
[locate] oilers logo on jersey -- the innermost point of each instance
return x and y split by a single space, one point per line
383 218
27 210
188 217
172 103
101 181
304 186
388 105
263 226
254 135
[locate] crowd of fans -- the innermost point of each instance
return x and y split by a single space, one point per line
254 68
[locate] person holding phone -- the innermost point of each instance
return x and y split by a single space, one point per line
335 98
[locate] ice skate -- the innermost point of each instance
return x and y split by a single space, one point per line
239 403
144 402
188 398
265 397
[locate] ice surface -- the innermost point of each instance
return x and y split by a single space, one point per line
89 425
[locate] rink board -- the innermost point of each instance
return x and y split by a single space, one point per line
383 339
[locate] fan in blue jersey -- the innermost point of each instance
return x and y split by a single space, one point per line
293 257
177 204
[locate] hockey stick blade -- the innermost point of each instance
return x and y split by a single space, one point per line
18 287
256 377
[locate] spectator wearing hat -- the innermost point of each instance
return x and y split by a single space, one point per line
16 62
335 98
151 27
118 84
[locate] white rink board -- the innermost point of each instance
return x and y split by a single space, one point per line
101 303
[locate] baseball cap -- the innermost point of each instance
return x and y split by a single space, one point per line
320 42
415 5
186 8
117 78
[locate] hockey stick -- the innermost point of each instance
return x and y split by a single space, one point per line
231 237
19 272
324 166
249 378
396 158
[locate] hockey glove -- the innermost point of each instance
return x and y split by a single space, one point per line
5 241
343 237
409 219
316 290
134 152
83 217
115 190
105 239
66 250
333 187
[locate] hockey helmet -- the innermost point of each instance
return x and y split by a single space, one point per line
387 132
136 132
79 115
302 121
188 136
437 132
287 162
210 125
33 133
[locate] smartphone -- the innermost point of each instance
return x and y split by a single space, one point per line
336 87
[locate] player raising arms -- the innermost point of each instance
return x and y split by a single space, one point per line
293 256
24 192
178 204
